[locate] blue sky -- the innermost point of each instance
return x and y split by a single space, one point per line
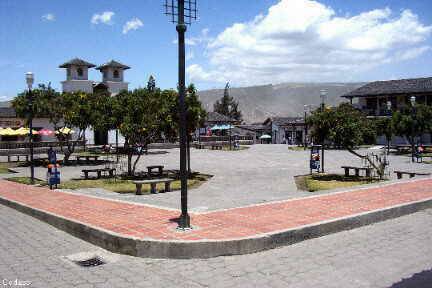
40 35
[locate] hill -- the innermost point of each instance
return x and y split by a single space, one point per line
259 102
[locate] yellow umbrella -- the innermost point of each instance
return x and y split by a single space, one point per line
8 132
65 130
22 131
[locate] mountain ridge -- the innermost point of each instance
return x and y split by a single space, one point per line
285 99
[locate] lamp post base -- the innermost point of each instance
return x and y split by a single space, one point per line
184 222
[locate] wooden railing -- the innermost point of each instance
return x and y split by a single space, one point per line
41 144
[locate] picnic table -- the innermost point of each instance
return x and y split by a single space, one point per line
357 170
88 158
411 174
153 183
159 169
98 172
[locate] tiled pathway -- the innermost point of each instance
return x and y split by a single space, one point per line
149 222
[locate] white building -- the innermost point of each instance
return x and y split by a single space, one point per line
77 76
112 76
112 80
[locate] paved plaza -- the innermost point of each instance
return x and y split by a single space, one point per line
262 173
396 253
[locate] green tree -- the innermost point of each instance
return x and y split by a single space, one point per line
228 106
385 127
195 115
47 103
412 122
344 126
77 114
142 116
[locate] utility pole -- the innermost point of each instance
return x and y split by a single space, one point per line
177 12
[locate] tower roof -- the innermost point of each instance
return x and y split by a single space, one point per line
113 64
77 62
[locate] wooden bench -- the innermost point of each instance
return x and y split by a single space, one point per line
347 169
153 167
153 184
9 156
98 172
411 174
87 158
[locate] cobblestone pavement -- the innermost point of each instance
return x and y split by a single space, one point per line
259 174
379 255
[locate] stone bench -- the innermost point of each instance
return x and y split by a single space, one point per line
153 183
18 156
357 170
98 172
411 174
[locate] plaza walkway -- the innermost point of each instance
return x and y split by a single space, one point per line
148 222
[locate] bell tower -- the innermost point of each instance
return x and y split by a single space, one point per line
113 76
77 76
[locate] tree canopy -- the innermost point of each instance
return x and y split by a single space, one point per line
228 106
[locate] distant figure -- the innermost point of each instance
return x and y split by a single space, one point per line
420 149
52 156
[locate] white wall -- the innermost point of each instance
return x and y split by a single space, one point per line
77 85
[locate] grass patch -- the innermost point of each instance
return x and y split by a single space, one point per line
4 168
25 180
116 185
317 182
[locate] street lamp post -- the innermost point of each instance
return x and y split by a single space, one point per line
177 12
413 102
389 113
323 94
229 113
30 80
305 108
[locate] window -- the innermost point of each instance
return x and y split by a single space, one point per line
116 74
80 72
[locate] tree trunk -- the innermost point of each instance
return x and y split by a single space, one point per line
135 163
130 154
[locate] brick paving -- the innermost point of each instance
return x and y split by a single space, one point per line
143 221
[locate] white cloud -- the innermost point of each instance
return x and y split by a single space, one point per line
48 17
304 40
103 18
132 24
202 38
190 55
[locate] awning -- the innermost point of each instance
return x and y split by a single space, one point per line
222 127
65 130
265 136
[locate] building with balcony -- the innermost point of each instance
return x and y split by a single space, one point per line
372 98
375 99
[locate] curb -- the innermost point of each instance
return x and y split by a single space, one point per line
177 249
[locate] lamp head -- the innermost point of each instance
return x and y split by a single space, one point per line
389 105
29 79
413 100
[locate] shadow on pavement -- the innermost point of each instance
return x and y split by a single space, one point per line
418 280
